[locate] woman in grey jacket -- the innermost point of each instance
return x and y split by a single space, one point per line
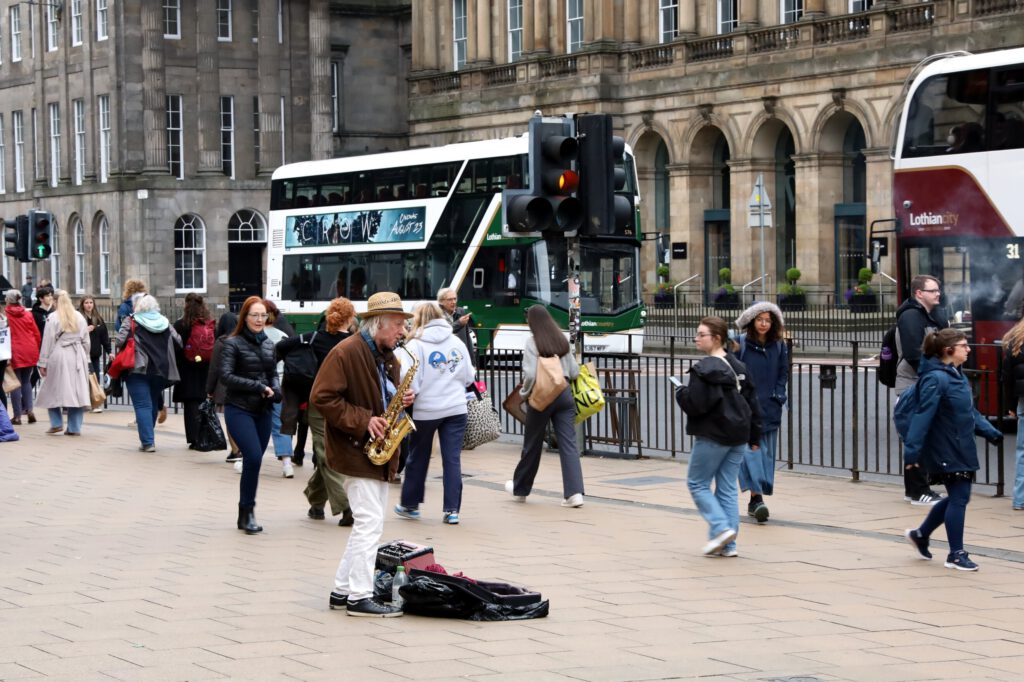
547 340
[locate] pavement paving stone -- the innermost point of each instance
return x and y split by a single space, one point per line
137 556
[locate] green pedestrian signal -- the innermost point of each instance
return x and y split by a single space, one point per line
40 227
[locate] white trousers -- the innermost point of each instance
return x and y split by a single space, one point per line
368 499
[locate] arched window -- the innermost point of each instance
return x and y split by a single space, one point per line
55 254
78 237
104 240
247 226
189 254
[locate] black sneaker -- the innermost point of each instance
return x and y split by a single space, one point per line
919 542
316 513
960 561
926 500
371 608
234 457
759 510
339 601
346 519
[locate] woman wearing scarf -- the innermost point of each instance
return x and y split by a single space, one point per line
155 366
248 371
64 366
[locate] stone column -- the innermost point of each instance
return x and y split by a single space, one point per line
154 95
208 94
481 46
428 21
750 16
686 219
321 140
688 19
819 187
269 72
631 24
878 169
529 40
746 241
814 8
541 27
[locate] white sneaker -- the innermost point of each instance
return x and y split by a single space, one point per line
238 466
719 541
573 501
510 489
97 410
287 470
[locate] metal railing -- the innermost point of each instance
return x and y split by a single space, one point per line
838 416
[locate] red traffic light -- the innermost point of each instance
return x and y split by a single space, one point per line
568 182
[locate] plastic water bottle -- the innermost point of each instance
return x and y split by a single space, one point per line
400 579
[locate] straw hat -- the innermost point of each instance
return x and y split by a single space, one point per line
384 303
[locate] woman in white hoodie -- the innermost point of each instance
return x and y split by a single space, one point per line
440 387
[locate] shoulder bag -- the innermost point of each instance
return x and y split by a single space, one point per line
586 393
548 385
483 424
300 365
124 361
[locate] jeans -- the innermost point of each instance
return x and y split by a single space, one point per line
757 471
1018 479
450 431
282 442
951 511
75 416
369 498
251 431
562 415
711 460
21 397
145 394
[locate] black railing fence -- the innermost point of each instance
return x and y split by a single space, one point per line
823 326
838 416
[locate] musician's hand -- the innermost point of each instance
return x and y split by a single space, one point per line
377 427
408 398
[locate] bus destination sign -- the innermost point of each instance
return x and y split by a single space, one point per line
387 226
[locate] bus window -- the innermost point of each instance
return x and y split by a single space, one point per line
547 269
946 115
1008 109
608 278
442 176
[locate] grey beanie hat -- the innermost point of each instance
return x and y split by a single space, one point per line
758 307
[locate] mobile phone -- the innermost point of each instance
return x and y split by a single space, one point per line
676 381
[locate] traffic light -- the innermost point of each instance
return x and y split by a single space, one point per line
549 204
607 204
40 226
16 234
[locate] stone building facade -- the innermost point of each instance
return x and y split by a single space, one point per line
151 129
710 94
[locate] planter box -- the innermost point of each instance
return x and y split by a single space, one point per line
864 303
727 301
664 300
793 301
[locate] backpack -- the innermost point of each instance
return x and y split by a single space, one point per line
300 365
906 406
199 347
888 358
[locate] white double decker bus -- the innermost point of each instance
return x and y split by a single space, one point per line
416 221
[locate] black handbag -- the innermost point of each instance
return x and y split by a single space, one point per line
209 435
300 364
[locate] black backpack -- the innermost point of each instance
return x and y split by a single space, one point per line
888 359
300 365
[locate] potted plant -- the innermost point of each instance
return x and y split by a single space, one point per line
862 297
664 296
791 295
726 297
663 272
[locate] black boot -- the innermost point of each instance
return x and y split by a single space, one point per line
247 521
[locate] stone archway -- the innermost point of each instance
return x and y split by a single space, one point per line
652 158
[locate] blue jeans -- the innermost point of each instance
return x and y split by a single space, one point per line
251 431
1018 479
757 472
21 397
711 460
75 415
950 510
282 441
145 394
450 431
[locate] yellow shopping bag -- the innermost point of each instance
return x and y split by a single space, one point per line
586 393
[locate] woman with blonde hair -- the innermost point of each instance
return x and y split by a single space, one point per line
64 366
1013 390
440 383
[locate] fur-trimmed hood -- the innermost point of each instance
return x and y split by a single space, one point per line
748 315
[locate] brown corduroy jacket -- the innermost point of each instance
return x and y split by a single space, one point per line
347 394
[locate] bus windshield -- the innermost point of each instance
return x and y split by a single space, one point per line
608 276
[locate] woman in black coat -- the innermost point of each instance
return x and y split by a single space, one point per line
191 390
99 337
248 370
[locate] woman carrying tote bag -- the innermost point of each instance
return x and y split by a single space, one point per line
546 347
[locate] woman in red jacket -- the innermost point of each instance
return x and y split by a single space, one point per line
25 341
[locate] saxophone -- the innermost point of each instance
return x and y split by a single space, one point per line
381 450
